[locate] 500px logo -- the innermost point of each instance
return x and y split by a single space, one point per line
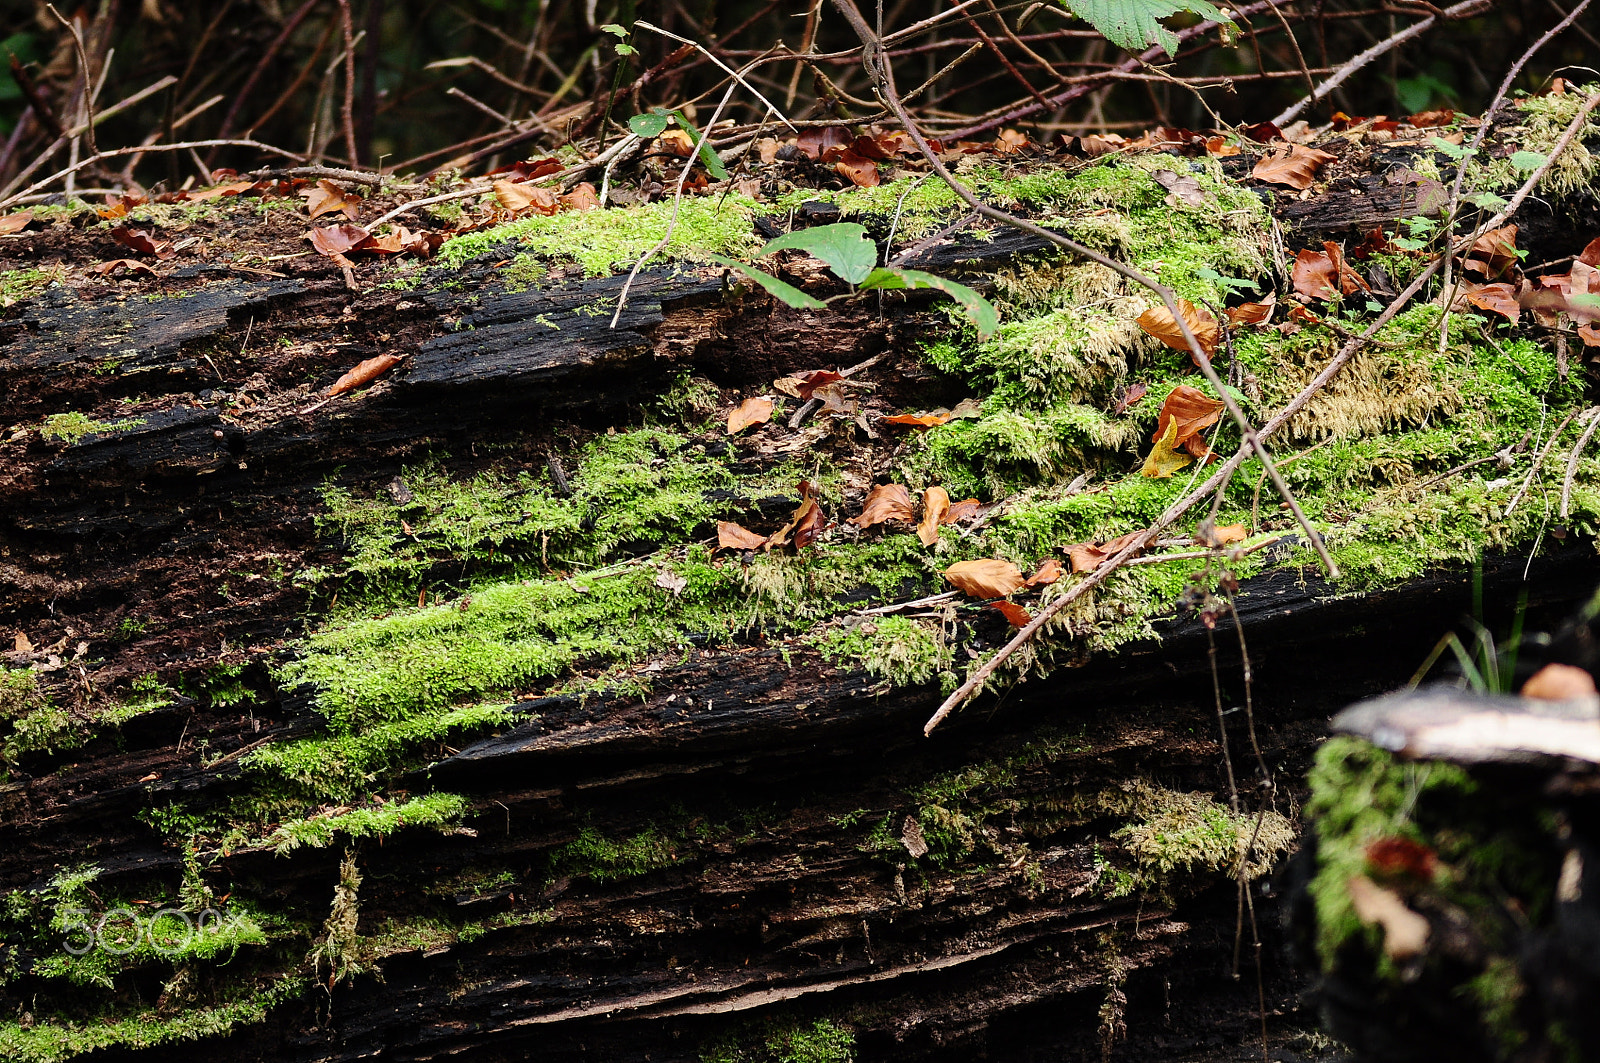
120 931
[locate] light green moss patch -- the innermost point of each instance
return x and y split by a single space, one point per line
605 241
373 821
785 1041
73 426
900 650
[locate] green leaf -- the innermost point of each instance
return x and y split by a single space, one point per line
645 126
1134 25
1527 161
843 246
1486 200
613 28
1455 151
976 307
781 290
708 158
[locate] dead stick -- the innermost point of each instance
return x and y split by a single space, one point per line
61 141
1592 414
88 78
347 109
30 91
182 146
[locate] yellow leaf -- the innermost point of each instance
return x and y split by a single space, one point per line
1165 459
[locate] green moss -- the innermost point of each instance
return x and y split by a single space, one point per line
785 1041
1179 834
47 1041
18 284
594 856
373 821
72 427
605 241
900 650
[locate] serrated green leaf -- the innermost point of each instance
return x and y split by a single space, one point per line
1527 161
1486 200
1135 24
645 126
612 27
976 307
843 246
1455 151
783 291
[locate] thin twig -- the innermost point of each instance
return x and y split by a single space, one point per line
88 78
1464 9
737 76
348 108
1592 415
1538 463
182 146
61 141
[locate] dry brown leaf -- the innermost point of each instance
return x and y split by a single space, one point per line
584 196
517 198
333 240
1589 334
1096 144
677 141
108 268
1015 614
1498 298
885 502
23 643
141 241
731 536
1559 682
15 223
857 169
813 143
1295 166
1193 411
232 188
1253 313
364 373
325 197
809 525
1220 535
966 509
985 578
1086 557
1049 571
1589 256
1221 147
751 411
935 504
1134 393
1159 322
1495 252
1315 276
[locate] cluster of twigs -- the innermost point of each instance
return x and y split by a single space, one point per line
350 81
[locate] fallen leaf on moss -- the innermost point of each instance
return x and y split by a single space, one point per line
15 223
1220 535
584 196
1165 459
1296 166
1086 557
966 509
1495 252
1325 275
985 578
1253 313
935 504
751 411
1015 614
1159 322
731 536
1193 411
517 198
669 580
333 240
806 523
364 373
1049 571
1185 189
857 169
1498 298
885 502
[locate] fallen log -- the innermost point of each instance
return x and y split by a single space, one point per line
442 700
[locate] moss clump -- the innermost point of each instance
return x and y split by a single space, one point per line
594 856
29 722
605 241
902 651
72 427
785 1041
374 821
1175 833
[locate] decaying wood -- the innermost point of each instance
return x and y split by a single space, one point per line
223 474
